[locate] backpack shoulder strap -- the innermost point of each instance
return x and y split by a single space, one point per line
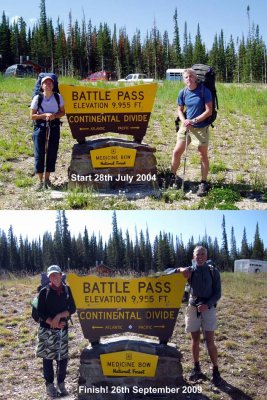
57 100
184 93
40 100
211 268
67 291
47 292
203 91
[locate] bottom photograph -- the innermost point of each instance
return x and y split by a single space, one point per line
133 305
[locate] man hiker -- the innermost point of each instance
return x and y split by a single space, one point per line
205 291
194 110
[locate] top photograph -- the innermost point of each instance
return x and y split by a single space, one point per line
134 106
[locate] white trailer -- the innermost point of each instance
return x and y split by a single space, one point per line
174 74
252 266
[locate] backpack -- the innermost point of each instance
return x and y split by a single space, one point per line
37 88
45 284
188 288
207 77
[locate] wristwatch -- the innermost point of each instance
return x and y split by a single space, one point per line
195 120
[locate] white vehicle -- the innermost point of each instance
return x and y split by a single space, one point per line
253 266
174 74
136 78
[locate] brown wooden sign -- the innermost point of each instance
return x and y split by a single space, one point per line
93 111
147 305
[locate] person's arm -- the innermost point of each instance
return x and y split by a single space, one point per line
71 308
217 290
180 111
60 113
36 116
187 272
202 117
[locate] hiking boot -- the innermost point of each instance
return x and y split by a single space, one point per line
48 184
178 182
203 189
174 180
216 378
62 391
39 186
195 374
51 391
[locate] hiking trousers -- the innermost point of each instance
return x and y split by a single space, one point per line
48 370
39 140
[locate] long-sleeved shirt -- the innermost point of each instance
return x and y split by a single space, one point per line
51 304
205 285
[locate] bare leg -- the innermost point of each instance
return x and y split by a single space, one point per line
203 151
41 176
212 349
195 336
176 155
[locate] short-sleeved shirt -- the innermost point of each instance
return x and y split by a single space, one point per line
195 101
49 105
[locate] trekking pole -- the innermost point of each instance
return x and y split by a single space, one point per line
47 137
185 156
60 344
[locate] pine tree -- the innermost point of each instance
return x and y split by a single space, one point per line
244 251
128 253
199 53
4 253
176 59
13 254
233 251
230 60
258 247
224 253
5 43
66 241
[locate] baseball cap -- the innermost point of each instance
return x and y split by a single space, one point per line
45 79
52 269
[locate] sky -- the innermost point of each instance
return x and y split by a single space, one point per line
181 222
212 15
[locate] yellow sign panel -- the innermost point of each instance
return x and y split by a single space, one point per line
147 305
106 292
92 111
113 157
129 363
84 100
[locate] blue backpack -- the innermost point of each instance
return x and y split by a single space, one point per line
37 88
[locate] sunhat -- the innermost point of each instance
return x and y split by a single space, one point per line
45 79
52 269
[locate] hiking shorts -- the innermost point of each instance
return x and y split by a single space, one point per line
207 320
198 136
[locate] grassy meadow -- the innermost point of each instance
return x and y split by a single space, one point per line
241 340
237 153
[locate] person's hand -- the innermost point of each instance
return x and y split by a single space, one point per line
202 308
49 116
55 322
185 271
62 324
187 123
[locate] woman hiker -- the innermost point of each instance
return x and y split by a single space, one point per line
46 110
55 306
